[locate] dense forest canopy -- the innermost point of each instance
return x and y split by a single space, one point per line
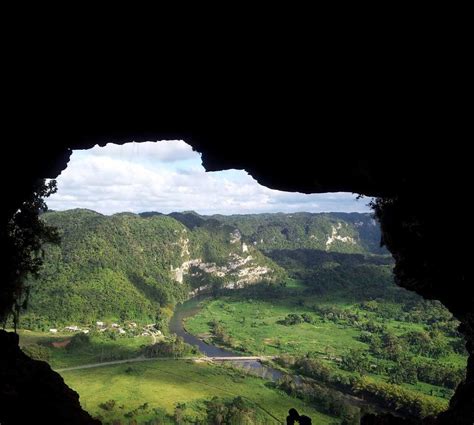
129 266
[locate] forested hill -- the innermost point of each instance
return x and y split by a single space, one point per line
333 232
128 267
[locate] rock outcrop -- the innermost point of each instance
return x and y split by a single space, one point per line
30 392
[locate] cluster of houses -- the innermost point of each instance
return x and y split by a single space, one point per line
132 329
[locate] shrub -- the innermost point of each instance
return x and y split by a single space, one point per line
108 405
78 341
37 352
291 319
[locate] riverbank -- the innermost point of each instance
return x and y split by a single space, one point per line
268 371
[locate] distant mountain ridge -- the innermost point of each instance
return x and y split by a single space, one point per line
333 232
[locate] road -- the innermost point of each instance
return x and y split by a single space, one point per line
147 359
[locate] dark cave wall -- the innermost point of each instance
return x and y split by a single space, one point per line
431 258
423 216
30 392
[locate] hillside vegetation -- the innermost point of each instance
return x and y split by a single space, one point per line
127 267
333 232
137 267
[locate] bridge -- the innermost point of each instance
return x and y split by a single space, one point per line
232 358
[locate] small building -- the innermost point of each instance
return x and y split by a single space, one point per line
53 330
121 331
100 324
132 325
72 328
85 331
114 325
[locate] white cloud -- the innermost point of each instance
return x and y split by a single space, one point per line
164 151
168 176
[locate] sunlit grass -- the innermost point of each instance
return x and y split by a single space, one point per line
164 383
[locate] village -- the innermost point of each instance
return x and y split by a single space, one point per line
129 329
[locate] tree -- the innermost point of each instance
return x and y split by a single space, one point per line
78 341
355 361
25 236
291 319
391 345
37 352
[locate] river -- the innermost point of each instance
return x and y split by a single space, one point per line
252 366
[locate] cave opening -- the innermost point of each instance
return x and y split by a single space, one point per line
333 265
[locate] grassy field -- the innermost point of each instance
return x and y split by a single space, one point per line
99 350
165 383
254 326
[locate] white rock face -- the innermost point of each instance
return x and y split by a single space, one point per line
235 236
251 274
239 270
235 262
336 237
180 271
183 242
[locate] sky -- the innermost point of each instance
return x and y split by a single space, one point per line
167 176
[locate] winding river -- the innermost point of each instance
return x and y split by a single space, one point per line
252 366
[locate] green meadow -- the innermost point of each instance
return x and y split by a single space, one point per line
154 390
100 349
256 326
253 326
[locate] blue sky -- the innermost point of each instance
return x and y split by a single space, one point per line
168 176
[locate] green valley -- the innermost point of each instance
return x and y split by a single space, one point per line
313 292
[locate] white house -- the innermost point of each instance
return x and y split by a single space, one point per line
121 331
85 331
72 328
114 325
99 324
53 331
